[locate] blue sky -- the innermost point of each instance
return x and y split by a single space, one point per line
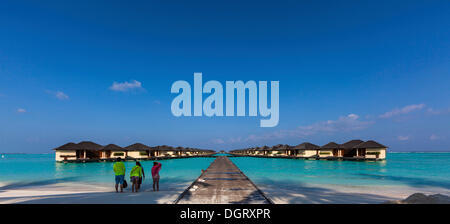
347 69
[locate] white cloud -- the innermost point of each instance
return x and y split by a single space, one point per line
434 137
21 110
62 96
404 110
350 122
353 116
218 141
126 86
403 138
438 112
58 94
347 123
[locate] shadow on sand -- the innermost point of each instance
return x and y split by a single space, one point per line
410 181
25 184
287 192
167 194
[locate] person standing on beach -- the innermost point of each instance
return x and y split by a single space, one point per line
119 170
135 174
142 177
155 174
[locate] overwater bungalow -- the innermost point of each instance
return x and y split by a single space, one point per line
371 150
166 151
204 152
90 150
286 150
112 151
252 151
331 149
256 151
356 150
266 150
349 148
67 152
180 150
279 150
139 151
241 152
306 150
192 152
81 151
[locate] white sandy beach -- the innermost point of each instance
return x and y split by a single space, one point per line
334 194
79 193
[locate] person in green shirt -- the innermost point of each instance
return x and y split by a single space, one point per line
119 171
135 174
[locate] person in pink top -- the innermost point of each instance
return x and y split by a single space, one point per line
155 174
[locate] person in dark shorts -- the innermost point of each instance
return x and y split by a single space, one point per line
119 171
142 177
135 174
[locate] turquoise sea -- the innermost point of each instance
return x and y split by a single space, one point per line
41 169
404 169
411 169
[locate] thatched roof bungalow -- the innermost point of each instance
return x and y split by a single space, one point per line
166 151
280 150
371 150
306 150
138 151
349 148
66 152
113 151
81 151
90 150
331 149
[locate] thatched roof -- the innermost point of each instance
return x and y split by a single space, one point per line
285 147
68 146
164 148
331 145
369 145
138 147
112 147
280 147
307 146
350 144
88 146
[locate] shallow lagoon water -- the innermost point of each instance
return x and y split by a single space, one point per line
411 169
42 169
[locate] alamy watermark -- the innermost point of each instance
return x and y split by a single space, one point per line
213 105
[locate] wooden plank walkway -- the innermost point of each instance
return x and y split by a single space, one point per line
223 183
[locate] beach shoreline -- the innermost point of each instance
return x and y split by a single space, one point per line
340 194
88 193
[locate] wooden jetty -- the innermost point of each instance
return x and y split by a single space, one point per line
223 183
